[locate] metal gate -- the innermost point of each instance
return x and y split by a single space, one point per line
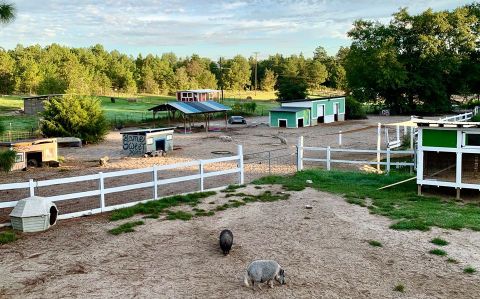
277 161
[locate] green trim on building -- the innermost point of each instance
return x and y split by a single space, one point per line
439 138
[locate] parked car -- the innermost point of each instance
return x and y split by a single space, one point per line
237 120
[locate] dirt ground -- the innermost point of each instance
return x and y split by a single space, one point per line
324 251
255 137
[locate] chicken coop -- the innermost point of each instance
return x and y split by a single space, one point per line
448 155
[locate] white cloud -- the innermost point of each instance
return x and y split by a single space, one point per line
188 25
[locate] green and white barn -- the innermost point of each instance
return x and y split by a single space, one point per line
308 112
448 154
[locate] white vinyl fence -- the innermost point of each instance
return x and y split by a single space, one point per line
101 191
301 149
459 117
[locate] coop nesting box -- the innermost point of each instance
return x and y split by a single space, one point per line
33 214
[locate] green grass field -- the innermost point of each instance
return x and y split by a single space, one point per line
127 112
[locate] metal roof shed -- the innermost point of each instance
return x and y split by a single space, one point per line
189 109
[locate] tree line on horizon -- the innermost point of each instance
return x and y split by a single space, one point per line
95 71
413 63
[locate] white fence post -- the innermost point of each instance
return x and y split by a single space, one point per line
328 158
398 133
31 186
102 194
388 160
201 175
240 163
412 132
300 153
379 141
340 138
155 181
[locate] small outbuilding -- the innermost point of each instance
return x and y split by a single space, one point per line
32 152
198 95
320 110
448 154
140 142
35 104
34 214
290 117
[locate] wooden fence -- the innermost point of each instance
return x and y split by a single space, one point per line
101 191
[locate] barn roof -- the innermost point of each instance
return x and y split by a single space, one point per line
43 97
288 109
199 90
311 100
145 131
192 107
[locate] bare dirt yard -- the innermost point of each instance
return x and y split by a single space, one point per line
255 137
324 251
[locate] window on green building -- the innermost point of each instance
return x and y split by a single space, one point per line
472 139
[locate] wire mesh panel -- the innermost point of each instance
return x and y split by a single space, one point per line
278 161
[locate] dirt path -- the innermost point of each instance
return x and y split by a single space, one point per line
324 251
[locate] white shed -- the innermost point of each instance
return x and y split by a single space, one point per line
33 214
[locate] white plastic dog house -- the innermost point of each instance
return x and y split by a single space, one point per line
34 214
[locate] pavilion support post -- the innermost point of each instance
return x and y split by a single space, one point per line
458 197
206 123
226 122
419 190
184 125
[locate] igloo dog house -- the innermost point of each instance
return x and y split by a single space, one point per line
33 214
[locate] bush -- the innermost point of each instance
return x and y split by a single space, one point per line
476 118
74 116
7 160
354 109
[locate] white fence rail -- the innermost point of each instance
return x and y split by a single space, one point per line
458 117
102 190
301 149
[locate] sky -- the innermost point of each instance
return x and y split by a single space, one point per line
208 28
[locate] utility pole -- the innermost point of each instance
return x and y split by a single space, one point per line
256 56
221 77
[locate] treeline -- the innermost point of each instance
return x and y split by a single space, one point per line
60 69
416 63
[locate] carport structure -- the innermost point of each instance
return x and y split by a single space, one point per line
190 109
